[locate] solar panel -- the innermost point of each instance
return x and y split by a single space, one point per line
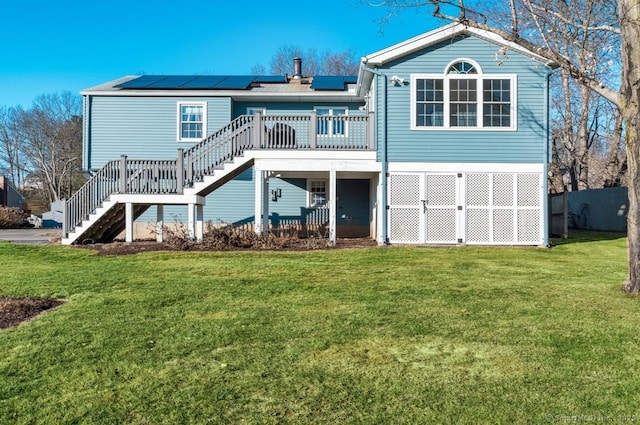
328 82
235 82
171 82
203 82
140 82
224 82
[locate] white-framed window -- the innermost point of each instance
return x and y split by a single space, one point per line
463 98
253 109
330 121
192 121
317 190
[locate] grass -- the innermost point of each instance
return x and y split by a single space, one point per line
374 336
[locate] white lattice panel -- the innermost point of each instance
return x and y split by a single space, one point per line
404 189
503 190
404 224
503 225
528 190
529 226
441 189
478 225
441 225
478 189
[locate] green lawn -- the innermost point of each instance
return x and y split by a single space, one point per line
376 336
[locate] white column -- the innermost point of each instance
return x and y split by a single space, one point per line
333 205
258 199
128 219
265 204
199 222
159 222
191 220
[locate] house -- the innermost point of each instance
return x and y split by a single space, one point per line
440 139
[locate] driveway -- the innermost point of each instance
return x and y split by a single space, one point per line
30 236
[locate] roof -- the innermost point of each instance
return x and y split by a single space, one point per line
245 87
280 88
441 34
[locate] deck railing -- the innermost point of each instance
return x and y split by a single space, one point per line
299 132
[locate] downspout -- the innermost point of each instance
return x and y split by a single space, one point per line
383 151
545 175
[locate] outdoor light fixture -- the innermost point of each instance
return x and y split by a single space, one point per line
396 80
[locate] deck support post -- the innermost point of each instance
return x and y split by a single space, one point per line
199 222
261 212
332 206
159 223
128 219
195 225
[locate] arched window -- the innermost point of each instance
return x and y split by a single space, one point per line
463 98
462 67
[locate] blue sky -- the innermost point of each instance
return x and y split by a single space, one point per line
69 45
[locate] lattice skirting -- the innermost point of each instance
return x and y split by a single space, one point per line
471 208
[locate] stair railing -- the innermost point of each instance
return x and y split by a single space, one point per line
220 147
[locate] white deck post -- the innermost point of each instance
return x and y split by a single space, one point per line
199 222
265 204
259 197
191 220
159 222
128 219
332 207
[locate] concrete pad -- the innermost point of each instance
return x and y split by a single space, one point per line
30 236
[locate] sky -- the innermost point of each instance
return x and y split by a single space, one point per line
50 47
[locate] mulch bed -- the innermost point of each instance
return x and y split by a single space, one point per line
14 311
124 248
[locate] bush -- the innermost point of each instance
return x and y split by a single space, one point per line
226 236
10 218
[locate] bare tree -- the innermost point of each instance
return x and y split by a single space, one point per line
51 137
625 22
314 63
12 161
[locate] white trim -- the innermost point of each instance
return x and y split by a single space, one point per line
480 78
462 167
179 121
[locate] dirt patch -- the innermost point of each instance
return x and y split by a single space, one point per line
14 311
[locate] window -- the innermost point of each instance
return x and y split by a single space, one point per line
463 98
330 122
191 121
496 107
317 193
253 109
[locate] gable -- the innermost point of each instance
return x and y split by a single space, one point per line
442 35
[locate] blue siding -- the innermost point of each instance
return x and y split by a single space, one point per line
526 145
143 127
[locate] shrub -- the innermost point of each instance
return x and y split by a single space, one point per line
10 218
227 236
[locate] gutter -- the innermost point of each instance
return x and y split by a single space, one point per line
382 144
